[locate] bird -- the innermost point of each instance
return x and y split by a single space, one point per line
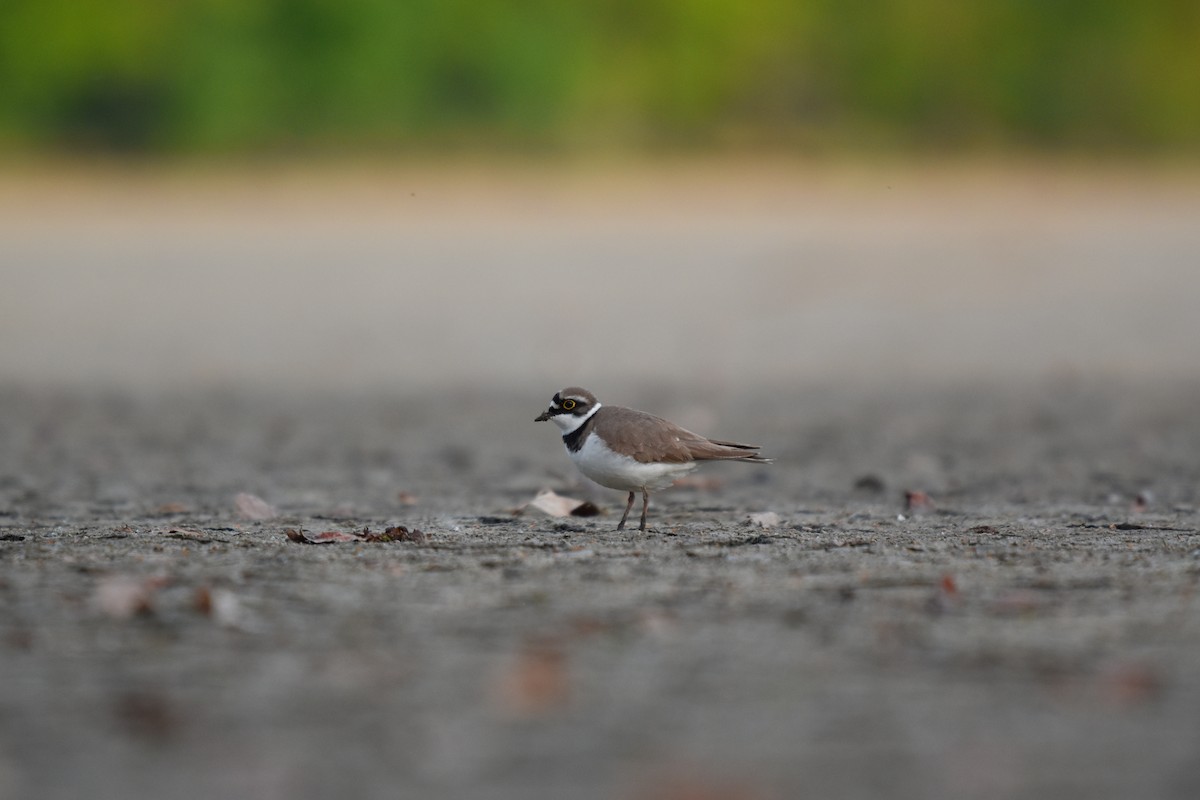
633 451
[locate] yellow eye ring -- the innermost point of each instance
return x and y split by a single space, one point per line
568 405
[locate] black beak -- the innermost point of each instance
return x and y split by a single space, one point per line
545 415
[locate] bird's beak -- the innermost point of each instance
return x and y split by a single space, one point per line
545 415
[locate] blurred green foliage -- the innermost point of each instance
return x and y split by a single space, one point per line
253 75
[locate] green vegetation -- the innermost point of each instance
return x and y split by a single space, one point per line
193 76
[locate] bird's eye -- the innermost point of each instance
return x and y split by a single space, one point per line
568 404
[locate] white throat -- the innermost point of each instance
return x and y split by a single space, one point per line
569 423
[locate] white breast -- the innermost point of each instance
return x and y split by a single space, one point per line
617 471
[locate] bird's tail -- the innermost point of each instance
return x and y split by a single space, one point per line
717 450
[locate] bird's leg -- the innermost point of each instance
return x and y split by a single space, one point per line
645 505
629 505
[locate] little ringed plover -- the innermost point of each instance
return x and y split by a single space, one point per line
630 450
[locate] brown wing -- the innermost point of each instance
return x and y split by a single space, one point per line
650 438
726 451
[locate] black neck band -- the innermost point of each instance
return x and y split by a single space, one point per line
574 439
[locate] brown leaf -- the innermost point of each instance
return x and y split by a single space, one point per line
918 501
253 507
946 597
332 537
406 498
168 509
202 600
188 533
325 537
586 509
398 533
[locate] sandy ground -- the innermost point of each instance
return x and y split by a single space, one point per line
622 277
1019 347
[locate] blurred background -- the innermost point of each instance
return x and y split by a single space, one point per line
315 193
271 76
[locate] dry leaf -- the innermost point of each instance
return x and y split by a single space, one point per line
946 597
918 501
253 507
586 509
123 596
325 537
556 505
189 533
203 601
765 519
406 498
398 533
168 509
220 604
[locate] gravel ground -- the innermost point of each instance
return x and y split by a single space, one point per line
192 365
1033 630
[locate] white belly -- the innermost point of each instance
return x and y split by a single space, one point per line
617 471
